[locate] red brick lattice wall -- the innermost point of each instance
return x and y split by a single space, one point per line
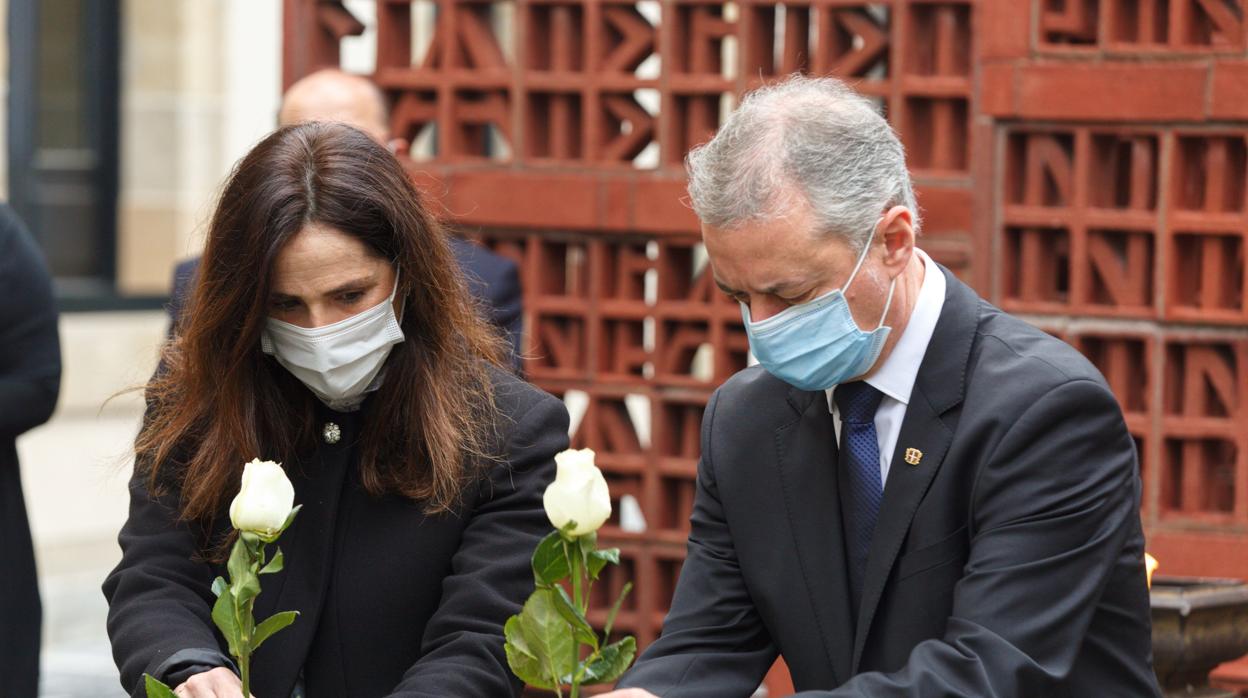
1083 163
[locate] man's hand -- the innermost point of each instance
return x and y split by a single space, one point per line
629 693
217 683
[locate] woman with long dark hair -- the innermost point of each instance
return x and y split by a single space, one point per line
330 330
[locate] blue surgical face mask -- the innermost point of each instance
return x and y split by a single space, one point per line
817 344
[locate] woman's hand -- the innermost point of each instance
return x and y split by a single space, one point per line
217 683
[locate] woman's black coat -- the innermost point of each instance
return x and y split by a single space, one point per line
392 602
30 376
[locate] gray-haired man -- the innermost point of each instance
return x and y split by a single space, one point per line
915 494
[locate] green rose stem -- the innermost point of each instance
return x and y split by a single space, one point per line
244 616
575 563
234 610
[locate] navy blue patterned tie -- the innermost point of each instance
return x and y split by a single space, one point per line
860 459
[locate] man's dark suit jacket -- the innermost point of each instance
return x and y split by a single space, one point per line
1007 562
493 279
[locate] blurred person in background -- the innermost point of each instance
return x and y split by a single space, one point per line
30 378
330 330
333 95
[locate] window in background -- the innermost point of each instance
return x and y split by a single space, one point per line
63 162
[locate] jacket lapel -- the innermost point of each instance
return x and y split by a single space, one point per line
922 430
807 455
927 428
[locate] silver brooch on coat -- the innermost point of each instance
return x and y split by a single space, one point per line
332 433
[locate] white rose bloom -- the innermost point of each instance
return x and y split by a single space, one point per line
578 494
265 499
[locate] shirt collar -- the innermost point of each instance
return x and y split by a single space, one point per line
895 377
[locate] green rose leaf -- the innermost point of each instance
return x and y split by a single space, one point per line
240 561
289 519
513 635
272 624
615 609
246 590
521 659
598 559
243 583
223 616
609 664
588 542
547 635
275 565
580 627
252 540
550 563
156 689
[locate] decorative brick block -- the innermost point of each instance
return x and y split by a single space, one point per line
1036 273
1155 26
677 432
1127 363
1206 277
940 41
935 131
1039 169
1121 271
1199 478
1210 174
1203 456
1124 171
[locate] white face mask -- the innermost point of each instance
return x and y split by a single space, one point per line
340 362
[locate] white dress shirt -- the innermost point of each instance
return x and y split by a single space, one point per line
895 378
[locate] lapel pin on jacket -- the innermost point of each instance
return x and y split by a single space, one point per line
913 456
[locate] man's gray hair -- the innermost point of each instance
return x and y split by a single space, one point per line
811 137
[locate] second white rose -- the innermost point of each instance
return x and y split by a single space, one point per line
578 495
264 500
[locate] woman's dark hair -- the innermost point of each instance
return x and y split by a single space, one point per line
218 401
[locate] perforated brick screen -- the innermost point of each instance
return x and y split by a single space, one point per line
1083 163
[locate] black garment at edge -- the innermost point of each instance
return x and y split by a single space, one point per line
30 377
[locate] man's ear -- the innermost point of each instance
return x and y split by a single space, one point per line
899 239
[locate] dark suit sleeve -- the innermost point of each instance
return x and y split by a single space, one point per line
491 577
1052 508
507 300
714 643
494 281
183 280
159 597
30 350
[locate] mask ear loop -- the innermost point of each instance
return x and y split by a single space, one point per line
891 287
862 257
394 292
889 303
